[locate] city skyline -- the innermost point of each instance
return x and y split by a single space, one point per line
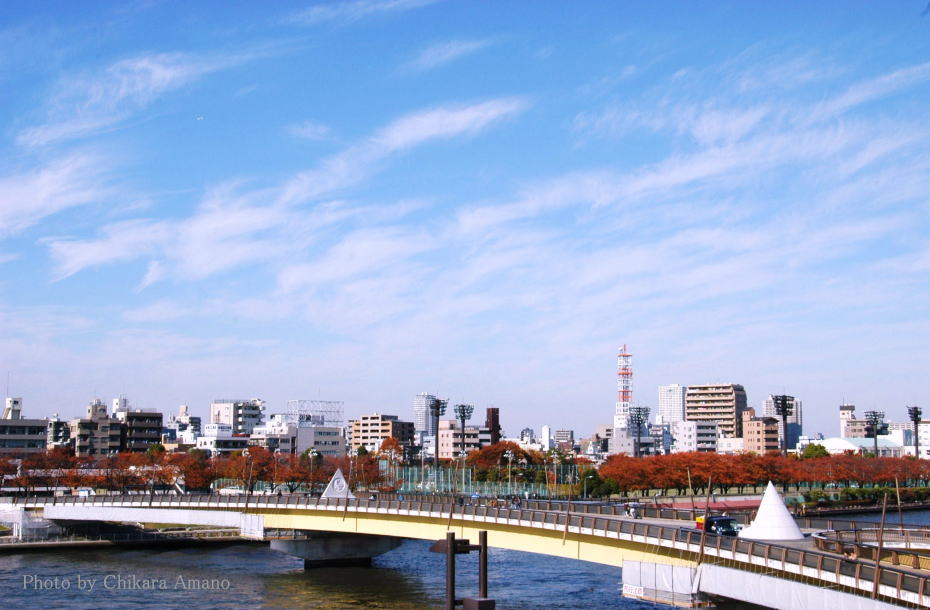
495 199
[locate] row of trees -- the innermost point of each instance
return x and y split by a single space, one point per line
504 461
725 473
194 470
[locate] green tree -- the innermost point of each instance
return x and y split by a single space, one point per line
814 451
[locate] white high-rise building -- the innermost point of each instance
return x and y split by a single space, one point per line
120 403
545 437
671 404
240 413
422 422
688 436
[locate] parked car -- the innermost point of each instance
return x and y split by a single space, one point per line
722 525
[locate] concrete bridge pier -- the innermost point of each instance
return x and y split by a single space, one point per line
329 549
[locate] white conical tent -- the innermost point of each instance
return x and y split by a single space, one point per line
773 521
337 488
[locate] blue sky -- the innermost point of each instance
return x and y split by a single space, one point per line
365 200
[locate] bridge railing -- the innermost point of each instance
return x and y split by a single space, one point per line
900 546
597 520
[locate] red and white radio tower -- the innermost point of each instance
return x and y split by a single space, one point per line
624 388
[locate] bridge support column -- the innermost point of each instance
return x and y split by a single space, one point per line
328 549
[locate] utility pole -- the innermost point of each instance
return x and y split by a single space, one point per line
915 414
784 406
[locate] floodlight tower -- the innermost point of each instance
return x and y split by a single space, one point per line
784 406
638 417
875 425
915 414
463 414
437 408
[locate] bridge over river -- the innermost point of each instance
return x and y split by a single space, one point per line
663 558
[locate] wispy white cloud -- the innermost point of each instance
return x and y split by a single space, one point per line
89 103
357 162
873 89
67 182
445 122
354 10
123 241
443 53
235 226
160 311
153 274
310 130
361 253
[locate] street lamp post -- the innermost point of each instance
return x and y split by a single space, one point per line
915 414
274 477
784 406
555 477
312 455
590 475
509 455
248 480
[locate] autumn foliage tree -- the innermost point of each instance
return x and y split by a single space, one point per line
494 455
726 473
196 470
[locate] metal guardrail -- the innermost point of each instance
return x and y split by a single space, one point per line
690 514
899 546
897 584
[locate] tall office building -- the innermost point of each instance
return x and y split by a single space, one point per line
370 431
688 436
722 404
545 438
671 404
760 434
422 422
243 415
96 434
21 437
850 427
492 422
795 420
565 440
140 429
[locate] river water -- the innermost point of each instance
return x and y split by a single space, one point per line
252 575
892 518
